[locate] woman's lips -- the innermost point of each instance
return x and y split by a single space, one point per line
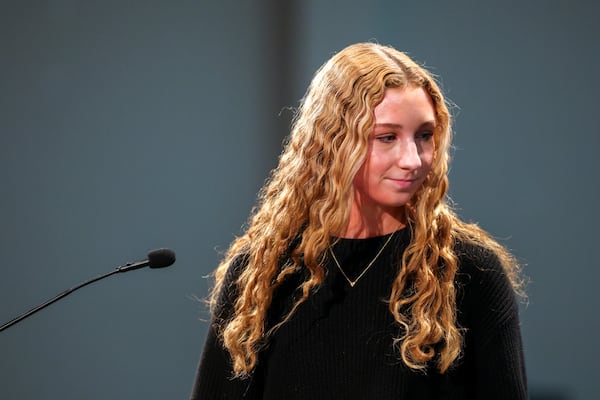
402 183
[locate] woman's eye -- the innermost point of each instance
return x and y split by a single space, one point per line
386 138
425 136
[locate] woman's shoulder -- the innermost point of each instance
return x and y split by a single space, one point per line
236 267
228 289
484 289
478 260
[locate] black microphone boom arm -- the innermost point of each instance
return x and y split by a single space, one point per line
156 259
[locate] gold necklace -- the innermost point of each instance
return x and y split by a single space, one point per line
353 282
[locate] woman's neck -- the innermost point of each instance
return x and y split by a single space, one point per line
370 223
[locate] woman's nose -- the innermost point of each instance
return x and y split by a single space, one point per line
408 156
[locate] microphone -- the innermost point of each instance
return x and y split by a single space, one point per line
158 258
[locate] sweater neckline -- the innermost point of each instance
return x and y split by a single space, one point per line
371 239
354 254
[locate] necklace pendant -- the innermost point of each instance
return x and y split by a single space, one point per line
353 282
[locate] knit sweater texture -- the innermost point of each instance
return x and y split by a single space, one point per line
339 343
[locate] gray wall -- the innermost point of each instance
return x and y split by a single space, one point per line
126 126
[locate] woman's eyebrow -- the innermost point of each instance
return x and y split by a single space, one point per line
426 124
388 125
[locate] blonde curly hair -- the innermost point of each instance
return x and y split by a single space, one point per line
307 200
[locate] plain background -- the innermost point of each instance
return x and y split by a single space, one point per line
131 125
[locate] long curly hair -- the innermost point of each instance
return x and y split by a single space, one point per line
307 200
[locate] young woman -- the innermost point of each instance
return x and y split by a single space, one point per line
354 278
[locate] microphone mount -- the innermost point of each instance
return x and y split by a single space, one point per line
159 258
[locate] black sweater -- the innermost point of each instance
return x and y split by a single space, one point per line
339 343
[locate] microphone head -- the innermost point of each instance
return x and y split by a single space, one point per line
161 258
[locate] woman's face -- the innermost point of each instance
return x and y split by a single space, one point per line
399 154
